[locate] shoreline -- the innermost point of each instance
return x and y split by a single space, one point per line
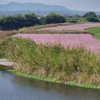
84 85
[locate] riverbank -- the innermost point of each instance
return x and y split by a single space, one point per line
6 62
84 85
52 61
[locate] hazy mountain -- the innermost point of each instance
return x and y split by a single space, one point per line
14 6
37 8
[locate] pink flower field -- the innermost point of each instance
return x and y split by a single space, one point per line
71 40
76 27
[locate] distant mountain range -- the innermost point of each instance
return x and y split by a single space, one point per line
37 8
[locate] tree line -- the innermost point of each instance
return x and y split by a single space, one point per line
18 21
89 16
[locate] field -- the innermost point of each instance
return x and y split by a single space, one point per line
75 27
65 40
65 57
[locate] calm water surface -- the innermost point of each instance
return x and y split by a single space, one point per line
13 87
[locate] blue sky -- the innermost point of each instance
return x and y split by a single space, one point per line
84 5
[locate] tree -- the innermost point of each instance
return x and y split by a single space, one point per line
90 14
54 18
7 22
18 21
92 19
42 20
31 20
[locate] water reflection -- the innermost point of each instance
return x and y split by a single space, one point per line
13 87
71 92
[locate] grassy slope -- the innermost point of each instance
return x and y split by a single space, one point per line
52 62
51 80
95 31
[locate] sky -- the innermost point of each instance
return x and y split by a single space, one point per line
83 5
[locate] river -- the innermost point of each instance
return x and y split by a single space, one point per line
13 87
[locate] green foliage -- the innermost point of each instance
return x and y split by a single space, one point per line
76 20
90 14
51 80
53 18
18 21
95 31
42 19
73 21
52 61
92 19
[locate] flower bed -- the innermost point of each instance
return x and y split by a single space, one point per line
76 27
66 40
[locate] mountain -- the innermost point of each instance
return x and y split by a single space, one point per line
37 8
14 6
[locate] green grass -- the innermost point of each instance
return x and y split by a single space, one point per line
33 76
95 31
6 59
78 20
51 80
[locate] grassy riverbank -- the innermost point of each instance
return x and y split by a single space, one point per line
51 80
52 61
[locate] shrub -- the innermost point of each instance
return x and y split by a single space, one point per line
54 18
92 19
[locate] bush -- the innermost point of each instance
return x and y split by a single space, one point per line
73 21
90 14
92 19
53 18
18 21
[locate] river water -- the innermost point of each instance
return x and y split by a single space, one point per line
13 87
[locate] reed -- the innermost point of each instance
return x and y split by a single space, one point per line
52 61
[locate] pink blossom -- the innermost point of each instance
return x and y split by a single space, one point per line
66 40
76 27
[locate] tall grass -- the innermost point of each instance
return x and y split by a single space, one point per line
3 34
53 61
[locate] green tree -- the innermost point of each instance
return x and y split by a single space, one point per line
92 19
90 14
31 20
42 20
18 21
54 18
7 22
